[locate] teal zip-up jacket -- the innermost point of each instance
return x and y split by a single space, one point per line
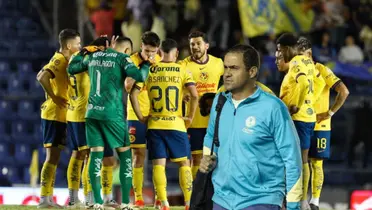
259 157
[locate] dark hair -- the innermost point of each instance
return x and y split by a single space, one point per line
196 34
251 57
124 39
168 44
100 41
150 38
303 44
287 39
67 34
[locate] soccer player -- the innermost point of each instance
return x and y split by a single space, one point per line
78 100
105 120
320 142
207 71
137 130
166 126
53 79
297 93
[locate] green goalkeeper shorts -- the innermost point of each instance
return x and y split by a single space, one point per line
115 133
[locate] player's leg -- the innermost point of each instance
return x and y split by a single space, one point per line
88 194
54 138
116 134
137 136
179 149
305 131
76 136
96 144
319 150
196 141
158 154
108 164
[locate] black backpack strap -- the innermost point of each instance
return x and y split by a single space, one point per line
221 101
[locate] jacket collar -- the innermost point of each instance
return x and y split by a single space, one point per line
251 98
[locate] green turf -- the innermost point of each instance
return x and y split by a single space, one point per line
9 207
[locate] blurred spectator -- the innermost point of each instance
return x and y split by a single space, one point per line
120 10
336 13
168 11
132 28
270 45
142 11
366 37
103 19
220 18
192 8
351 53
324 52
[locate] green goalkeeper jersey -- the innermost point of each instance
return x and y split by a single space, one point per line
107 72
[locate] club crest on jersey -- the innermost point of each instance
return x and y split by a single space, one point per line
129 60
249 123
203 76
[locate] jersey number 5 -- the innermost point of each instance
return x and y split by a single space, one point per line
172 107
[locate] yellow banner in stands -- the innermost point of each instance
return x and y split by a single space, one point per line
260 17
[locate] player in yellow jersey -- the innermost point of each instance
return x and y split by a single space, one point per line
320 143
297 93
166 133
207 71
137 130
53 78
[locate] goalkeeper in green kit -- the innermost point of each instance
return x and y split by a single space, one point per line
105 120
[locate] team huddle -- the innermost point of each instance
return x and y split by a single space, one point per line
84 99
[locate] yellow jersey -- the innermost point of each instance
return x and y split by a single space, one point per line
259 84
165 85
299 66
143 97
78 93
322 103
57 67
207 76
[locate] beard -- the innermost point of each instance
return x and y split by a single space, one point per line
198 55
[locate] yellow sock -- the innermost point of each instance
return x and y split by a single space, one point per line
84 178
160 182
106 180
46 180
194 170
74 173
89 188
138 183
185 177
51 188
306 179
317 177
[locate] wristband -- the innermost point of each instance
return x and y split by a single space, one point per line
330 113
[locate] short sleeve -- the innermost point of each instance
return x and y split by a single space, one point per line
329 77
139 85
53 66
187 77
221 67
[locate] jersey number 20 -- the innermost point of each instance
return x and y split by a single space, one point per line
170 106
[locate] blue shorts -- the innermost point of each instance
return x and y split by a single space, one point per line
196 136
137 134
254 207
168 143
320 145
305 131
54 133
76 135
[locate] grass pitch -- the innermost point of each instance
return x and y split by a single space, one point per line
20 207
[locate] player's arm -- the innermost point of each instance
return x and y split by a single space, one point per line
300 91
287 142
43 77
131 70
193 102
135 103
77 64
128 84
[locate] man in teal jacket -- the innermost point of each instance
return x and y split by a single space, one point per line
258 160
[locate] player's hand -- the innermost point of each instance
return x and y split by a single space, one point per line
60 101
186 97
293 109
322 116
208 163
144 119
113 42
188 121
